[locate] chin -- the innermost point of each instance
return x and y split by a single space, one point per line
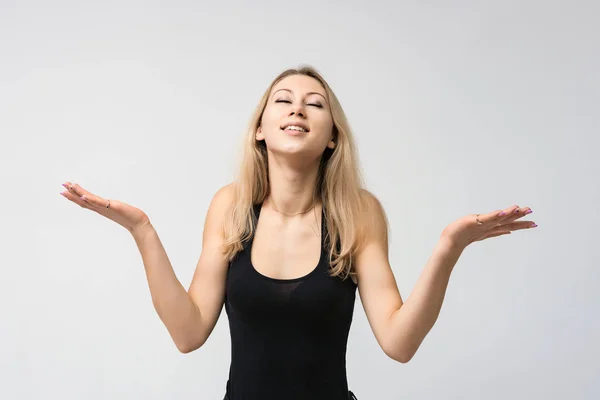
294 151
289 150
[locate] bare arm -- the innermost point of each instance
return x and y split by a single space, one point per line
400 327
409 325
189 316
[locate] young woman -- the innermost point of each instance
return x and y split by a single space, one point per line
286 246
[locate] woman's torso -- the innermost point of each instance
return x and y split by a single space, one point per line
288 336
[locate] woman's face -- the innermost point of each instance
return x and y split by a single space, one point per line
297 118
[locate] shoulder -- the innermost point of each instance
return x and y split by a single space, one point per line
372 220
371 203
372 211
221 202
224 196
216 219
226 192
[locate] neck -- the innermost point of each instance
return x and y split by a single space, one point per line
291 188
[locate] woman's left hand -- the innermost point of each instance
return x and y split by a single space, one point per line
476 227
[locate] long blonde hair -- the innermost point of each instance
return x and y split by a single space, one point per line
339 185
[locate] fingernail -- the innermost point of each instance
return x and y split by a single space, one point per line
501 213
528 212
533 226
517 210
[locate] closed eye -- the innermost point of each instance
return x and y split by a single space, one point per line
289 102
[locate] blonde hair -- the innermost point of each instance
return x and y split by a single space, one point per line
339 185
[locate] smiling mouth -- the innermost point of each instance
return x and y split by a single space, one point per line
295 128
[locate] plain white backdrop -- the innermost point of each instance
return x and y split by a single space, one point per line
458 107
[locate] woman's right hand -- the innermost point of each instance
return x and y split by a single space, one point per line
129 217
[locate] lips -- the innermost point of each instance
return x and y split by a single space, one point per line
295 123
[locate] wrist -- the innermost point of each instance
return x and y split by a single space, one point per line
451 243
142 231
449 246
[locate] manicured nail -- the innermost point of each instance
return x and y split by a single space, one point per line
533 226
501 213
528 212
517 210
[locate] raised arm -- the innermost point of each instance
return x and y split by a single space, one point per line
189 316
400 327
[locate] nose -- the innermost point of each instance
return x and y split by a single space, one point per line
298 110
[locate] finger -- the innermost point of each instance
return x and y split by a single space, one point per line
77 190
491 235
74 193
71 189
505 216
95 202
493 217
76 199
518 225
514 213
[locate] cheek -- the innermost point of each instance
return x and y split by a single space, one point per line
270 120
325 128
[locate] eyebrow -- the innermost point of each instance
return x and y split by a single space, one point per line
288 90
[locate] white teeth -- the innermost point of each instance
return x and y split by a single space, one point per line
296 128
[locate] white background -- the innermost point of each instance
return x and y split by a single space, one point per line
458 107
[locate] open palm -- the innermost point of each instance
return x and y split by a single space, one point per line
477 227
123 214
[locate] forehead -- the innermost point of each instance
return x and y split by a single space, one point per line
299 84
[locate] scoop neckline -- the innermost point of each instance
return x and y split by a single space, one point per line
258 209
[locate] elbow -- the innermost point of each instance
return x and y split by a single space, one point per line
400 354
186 347
403 358
183 349
400 357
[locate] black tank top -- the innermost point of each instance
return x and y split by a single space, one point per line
288 336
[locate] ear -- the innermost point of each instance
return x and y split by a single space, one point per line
259 134
331 144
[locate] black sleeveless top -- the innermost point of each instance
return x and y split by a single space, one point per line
288 336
